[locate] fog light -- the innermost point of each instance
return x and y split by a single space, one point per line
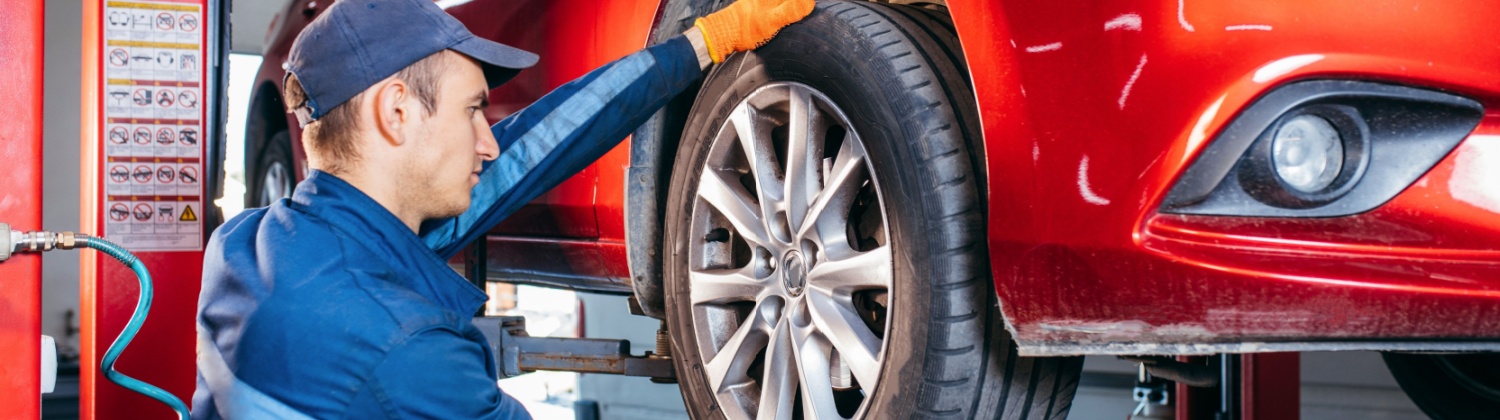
1307 153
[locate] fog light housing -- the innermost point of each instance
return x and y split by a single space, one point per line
1307 158
1390 136
1307 153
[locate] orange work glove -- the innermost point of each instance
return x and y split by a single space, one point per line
747 24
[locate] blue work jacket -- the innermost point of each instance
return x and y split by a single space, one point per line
326 306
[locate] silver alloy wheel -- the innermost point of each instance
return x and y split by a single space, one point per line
275 184
790 269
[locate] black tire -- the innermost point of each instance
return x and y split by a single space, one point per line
896 73
1449 386
276 155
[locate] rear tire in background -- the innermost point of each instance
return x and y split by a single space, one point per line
1449 386
273 177
826 239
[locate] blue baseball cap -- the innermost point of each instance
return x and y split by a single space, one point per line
357 43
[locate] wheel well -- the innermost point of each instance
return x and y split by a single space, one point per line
265 118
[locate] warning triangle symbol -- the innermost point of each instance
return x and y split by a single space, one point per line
187 214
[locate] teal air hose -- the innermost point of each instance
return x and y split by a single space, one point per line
14 241
142 305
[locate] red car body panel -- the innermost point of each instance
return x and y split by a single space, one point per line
1090 113
581 220
577 229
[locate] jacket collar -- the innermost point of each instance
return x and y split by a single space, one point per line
369 224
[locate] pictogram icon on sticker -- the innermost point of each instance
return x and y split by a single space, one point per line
165 98
188 174
142 212
119 212
166 21
166 174
142 174
165 136
119 174
188 136
119 135
119 58
187 23
142 135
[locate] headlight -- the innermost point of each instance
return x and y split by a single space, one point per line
1307 153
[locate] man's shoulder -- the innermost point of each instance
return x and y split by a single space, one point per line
291 265
274 232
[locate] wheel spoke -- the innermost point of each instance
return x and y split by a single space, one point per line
780 380
837 320
813 373
829 212
759 152
727 368
724 286
803 163
735 204
863 270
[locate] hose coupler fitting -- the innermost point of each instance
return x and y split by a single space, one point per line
67 240
15 242
37 241
8 241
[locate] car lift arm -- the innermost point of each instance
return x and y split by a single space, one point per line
517 353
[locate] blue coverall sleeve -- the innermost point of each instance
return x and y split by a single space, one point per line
563 132
437 374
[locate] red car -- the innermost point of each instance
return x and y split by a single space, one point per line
930 208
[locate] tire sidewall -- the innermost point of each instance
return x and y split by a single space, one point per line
277 149
1434 390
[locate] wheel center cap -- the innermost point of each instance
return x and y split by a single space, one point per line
793 272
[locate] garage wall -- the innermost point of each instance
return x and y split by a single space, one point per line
60 132
252 18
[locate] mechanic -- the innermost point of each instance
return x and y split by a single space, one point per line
339 302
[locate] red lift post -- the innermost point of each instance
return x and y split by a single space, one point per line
21 183
149 77
1263 386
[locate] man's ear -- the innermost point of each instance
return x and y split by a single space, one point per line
393 109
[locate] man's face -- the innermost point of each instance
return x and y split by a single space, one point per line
451 143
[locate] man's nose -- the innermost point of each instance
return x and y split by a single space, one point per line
486 147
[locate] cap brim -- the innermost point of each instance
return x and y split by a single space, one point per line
500 62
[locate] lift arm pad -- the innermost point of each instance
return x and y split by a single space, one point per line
516 353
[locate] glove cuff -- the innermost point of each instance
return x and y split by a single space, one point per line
719 34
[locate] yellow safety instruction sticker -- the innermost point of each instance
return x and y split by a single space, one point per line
153 92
